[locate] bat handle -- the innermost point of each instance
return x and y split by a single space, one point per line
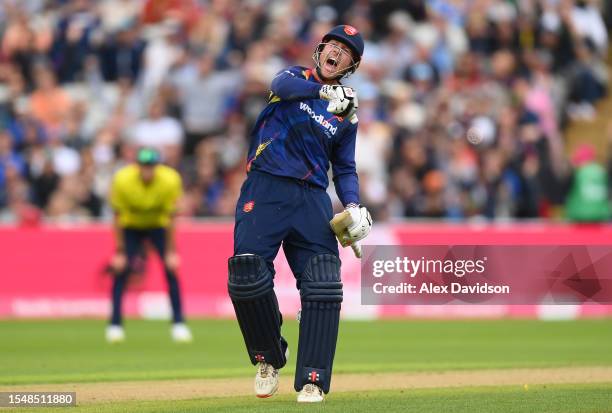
357 249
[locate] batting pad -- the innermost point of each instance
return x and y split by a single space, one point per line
321 296
250 287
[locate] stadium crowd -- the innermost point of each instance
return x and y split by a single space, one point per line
462 102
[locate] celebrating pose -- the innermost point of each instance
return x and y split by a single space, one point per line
310 122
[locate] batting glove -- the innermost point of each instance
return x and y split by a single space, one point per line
328 92
340 98
352 225
361 225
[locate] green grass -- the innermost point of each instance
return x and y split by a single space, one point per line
507 399
75 351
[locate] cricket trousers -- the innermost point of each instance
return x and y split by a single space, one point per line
135 240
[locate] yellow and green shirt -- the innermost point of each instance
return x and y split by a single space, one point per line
145 206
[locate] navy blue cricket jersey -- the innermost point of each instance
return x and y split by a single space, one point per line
295 136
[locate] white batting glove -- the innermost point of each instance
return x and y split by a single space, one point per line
339 97
328 92
362 223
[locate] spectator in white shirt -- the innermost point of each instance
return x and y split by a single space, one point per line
159 131
588 23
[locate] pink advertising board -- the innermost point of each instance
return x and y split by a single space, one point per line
58 271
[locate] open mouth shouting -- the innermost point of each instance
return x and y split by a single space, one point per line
331 64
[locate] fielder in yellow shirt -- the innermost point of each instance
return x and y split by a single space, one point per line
144 197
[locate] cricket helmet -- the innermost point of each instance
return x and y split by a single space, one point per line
347 35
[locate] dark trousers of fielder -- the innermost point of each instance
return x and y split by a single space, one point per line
274 211
134 240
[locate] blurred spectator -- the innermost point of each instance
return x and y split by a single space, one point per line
121 54
116 15
161 132
184 11
161 53
74 35
587 22
12 166
44 185
49 103
205 95
588 200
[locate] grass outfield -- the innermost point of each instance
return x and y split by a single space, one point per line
47 352
75 351
541 399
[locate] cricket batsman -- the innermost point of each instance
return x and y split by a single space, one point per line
309 122
144 197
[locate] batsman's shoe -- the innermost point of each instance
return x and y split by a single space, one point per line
266 380
181 333
310 393
115 334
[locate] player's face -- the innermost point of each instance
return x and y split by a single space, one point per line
335 58
147 172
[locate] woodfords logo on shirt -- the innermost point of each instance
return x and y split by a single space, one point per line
320 119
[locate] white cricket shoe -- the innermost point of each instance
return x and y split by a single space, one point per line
181 333
266 380
310 393
115 334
